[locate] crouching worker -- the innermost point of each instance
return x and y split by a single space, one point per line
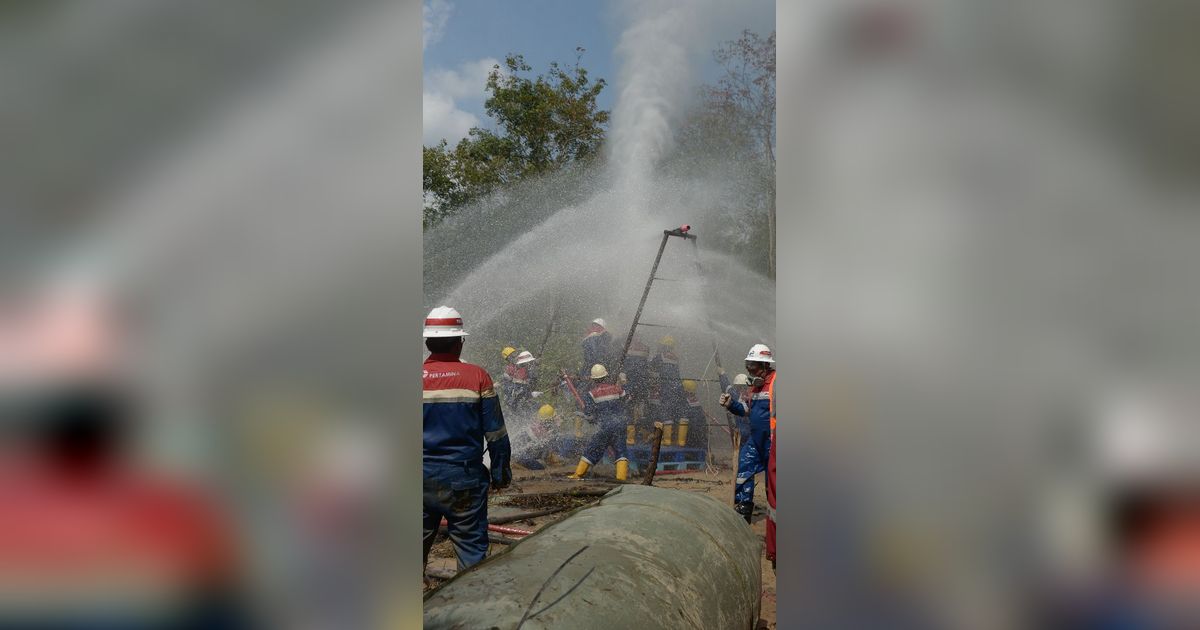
605 405
752 458
541 439
461 411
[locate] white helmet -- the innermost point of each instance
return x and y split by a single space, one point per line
761 353
599 371
1146 436
741 379
600 322
524 357
443 321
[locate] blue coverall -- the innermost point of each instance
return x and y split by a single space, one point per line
637 370
461 411
517 386
605 404
597 349
752 458
670 387
697 436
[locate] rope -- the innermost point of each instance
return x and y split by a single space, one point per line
526 616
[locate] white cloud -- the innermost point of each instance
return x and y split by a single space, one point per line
434 14
440 118
468 81
443 96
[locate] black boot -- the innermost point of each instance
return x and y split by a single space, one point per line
745 509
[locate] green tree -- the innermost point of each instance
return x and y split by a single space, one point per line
543 123
745 93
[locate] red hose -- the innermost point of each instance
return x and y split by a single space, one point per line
501 529
511 531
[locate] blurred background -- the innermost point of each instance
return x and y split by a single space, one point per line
987 221
986 275
229 184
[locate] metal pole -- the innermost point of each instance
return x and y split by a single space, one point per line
645 293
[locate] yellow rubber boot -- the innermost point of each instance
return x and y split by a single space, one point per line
666 439
580 470
683 427
630 434
622 469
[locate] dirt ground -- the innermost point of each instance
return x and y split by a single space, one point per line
717 483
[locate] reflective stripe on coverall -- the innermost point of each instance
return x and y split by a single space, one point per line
461 412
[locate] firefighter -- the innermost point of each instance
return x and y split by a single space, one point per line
461 411
535 448
752 458
90 537
693 416
597 347
511 379
605 406
520 383
670 390
1134 561
637 370
551 432
770 534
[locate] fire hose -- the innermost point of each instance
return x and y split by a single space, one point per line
571 386
500 529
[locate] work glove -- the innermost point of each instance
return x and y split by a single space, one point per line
590 419
721 371
621 377
501 477
724 400
535 394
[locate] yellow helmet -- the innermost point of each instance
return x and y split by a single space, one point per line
507 351
667 341
689 386
546 412
599 371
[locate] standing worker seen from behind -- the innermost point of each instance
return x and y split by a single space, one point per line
672 401
752 458
91 536
596 346
461 411
605 406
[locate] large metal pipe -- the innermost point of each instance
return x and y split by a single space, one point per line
642 557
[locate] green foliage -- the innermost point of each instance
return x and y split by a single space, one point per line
524 328
544 123
746 88
742 104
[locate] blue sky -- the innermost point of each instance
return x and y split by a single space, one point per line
464 37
